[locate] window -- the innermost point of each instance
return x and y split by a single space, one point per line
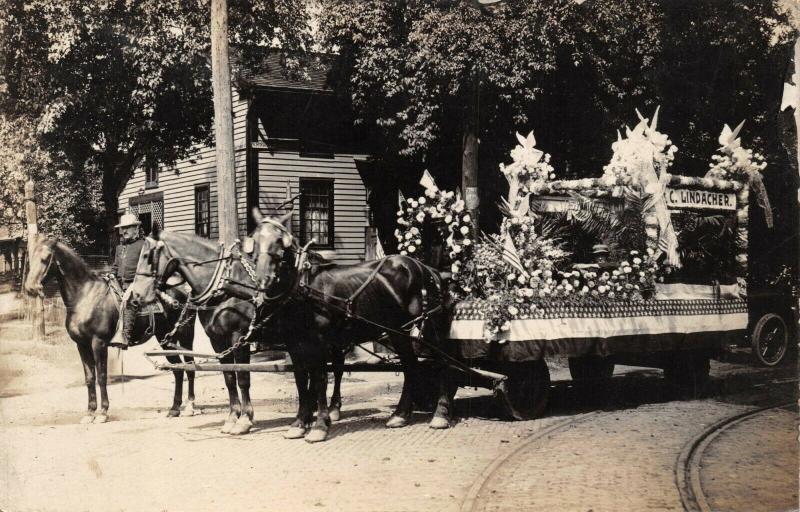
316 212
202 211
150 210
151 177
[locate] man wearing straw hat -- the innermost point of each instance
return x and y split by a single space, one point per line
126 258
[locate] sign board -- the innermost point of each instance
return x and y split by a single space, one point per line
708 199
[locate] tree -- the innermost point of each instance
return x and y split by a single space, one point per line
411 69
117 84
64 204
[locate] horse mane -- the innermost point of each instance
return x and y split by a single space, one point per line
71 262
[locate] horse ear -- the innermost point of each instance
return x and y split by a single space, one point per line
285 219
257 215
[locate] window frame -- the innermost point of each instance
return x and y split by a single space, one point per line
151 172
202 187
329 182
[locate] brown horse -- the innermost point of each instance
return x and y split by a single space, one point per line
326 308
92 313
226 312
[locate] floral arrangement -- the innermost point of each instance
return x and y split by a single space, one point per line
642 143
732 161
530 167
632 280
441 205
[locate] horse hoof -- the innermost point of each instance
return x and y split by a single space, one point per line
316 435
242 426
439 423
173 413
101 418
89 418
334 414
191 410
396 422
228 426
294 433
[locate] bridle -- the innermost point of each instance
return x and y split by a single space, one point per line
300 263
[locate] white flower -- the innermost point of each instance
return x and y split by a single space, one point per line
422 200
413 203
418 241
414 231
637 261
411 248
466 241
511 277
512 310
464 230
521 279
506 326
466 218
404 253
448 219
454 268
409 235
420 217
456 249
627 270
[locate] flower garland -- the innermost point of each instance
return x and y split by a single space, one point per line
436 204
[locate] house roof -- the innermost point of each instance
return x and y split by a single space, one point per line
273 74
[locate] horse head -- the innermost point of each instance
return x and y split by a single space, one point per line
40 262
152 270
272 239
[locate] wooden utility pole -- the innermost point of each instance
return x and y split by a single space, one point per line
36 304
469 156
223 123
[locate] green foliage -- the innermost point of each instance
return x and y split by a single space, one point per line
410 67
64 205
115 83
707 247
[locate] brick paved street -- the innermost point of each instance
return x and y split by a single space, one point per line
613 453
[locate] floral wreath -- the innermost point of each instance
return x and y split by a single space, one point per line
435 204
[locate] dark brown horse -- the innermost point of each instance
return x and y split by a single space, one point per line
92 313
326 308
226 312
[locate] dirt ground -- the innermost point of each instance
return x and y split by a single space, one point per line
614 451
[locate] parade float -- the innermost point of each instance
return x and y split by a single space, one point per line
637 265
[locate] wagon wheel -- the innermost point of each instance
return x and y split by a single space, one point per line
590 368
770 339
527 387
688 371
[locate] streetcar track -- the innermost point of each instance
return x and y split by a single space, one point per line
470 501
687 466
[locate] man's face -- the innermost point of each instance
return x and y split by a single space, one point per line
129 232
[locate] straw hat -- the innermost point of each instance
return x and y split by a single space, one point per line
128 219
600 249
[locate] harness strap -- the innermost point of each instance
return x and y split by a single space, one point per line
349 302
213 284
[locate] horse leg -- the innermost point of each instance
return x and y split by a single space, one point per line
319 378
304 413
233 399
100 350
87 358
336 398
245 421
405 406
444 406
190 409
177 397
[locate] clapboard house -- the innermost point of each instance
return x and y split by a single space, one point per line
291 137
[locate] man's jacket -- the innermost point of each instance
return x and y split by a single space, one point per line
126 258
